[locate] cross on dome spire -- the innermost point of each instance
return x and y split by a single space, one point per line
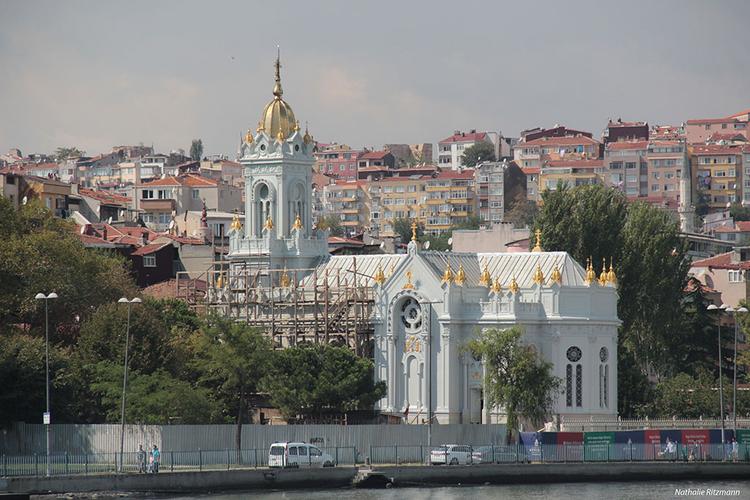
277 91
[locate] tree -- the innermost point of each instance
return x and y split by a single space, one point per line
522 212
479 152
701 204
685 396
196 149
230 360
309 381
41 253
739 213
332 223
517 378
65 153
402 228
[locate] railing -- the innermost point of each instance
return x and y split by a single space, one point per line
583 424
170 461
559 453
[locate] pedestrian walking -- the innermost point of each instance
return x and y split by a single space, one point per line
156 457
141 459
735 450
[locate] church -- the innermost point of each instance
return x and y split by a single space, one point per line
424 306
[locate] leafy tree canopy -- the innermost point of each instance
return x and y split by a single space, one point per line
196 149
479 152
517 378
65 153
309 381
331 223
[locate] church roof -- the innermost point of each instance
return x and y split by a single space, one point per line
507 266
343 265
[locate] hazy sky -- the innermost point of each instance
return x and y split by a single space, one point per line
99 73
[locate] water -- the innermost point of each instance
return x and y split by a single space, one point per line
568 491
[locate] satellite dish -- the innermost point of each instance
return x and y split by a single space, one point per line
450 240
24 200
426 245
83 230
382 245
109 221
171 224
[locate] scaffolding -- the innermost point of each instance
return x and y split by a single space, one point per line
291 306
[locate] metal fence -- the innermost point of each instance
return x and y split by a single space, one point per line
228 459
29 439
578 424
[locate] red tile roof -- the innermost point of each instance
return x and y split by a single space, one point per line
560 141
721 261
616 124
716 149
531 170
374 168
337 240
582 163
704 121
456 174
374 155
104 196
190 180
464 137
626 145
741 113
150 248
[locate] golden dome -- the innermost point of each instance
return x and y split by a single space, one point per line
278 118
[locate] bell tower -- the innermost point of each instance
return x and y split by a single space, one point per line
278 160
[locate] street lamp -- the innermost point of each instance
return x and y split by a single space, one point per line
46 418
713 307
123 300
734 382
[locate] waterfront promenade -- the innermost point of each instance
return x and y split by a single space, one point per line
410 475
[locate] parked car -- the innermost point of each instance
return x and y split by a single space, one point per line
455 454
298 455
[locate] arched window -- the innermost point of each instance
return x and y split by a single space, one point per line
603 378
569 385
579 385
574 356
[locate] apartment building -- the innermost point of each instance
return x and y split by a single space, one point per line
533 193
497 184
337 160
532 134
534 153
619 130
746 175
700 130
667 163
162 199
625 167
718 170
395 197
450 200
451 149
348 200
573 172
376 159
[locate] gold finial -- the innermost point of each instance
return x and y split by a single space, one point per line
409 285
280 136
496 287
297 223
603 274
261 127
448 274
538 276
307 138
514 285
296 126
249 137
284 281
236 224
611 276
268 224
556 276
538 246
277 87
220 281
379 276
460 275
392 270
414 231
485 279
590 274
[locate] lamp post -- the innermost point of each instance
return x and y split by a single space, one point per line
123 300
734 382
46 418
713 307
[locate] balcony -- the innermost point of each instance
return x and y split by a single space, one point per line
157 205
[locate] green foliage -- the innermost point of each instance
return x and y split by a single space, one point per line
517 378
402 228
522 212
22 378
156 398
701 204
230 359
63 153
309 381
479 152
738 212
41 253
332 223
196 149
685 396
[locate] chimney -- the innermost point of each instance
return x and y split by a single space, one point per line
104 232
144 238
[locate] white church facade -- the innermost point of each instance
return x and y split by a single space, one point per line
428 305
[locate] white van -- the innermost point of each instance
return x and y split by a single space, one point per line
298 455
